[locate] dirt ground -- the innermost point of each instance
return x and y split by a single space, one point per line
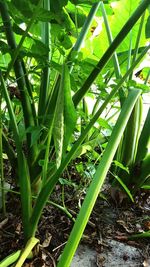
105 241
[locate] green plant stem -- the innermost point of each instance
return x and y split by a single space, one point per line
109 52
49 186
131 136
23 172
1 160
86 27
110 39
129 51
45 80
144 140
147 77
140 235
27 250
137 41
98 181
115 57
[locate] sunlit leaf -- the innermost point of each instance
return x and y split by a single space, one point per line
121 166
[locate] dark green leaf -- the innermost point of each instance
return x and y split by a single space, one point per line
25 7
56 6
147 28
66 182
35 133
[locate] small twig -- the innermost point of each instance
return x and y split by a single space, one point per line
59 246
49 254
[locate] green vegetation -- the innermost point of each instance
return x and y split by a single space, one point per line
53 61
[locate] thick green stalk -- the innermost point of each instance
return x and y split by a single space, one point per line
49 186
86 27
98 181
110 39
45 80
115 57
129 51
131 136
141 175
138 41
144 140
109 52
26 251
23 172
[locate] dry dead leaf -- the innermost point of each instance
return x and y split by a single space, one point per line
3 223
47 240
146 263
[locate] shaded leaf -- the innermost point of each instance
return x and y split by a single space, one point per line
56 6
121 166
66 182
35 133
147 28
124 187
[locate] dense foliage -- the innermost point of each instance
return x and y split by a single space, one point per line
64 84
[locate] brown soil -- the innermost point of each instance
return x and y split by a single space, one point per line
114 218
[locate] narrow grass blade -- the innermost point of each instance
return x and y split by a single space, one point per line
124 187
140 235
9 260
